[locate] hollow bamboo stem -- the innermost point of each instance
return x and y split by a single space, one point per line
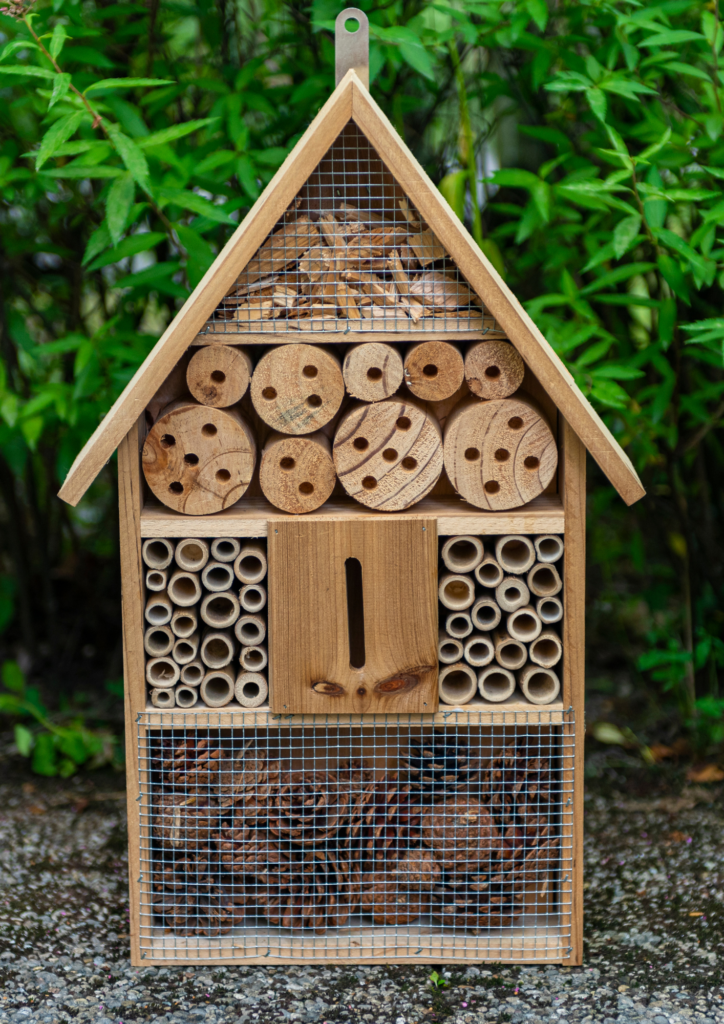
193 673
456 592
162 672
165 698
158 641
251 689
449 649
186 696
509 653
550 609
539 685
546 650
192 554
217 688
220 610
184 589
512 594
253 598
544 581
515 553
479 651
485 613
524 624
184 622
217 577
185 649
156 580
250 565
250 630
217 649
225 549
549 547
457 684
157 553
488 573
462 554
459 625
254 659
496 683
159 609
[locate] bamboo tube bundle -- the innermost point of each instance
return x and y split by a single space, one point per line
197 459
191 554
156 580
217 577
185 649
251 689
515 553
456 591
372 371
434 370
297 474
253 659
250 630
512 594
158 609
499 454
489 573
250 565
157 553
544 581
550 610
485 614
162 672
296 389
457 684
493 369
217 649
388 455
184 622
218 375
158 641
546 650
217 688
549 547
509 653
184 589
186 696
539 685
459 625
524 624
225 549
496 684
220 610
252 598
478 651
462 554
193 673
449 649
165 699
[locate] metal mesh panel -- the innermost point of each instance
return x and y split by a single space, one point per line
351 253
378 840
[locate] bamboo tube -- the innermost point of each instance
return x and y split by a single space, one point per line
509 653
184 622
372 371
217 649
157 553
550 609
218 375
549 547
512 594
158 641
544 581
478 651
192 554
546 650
524 624
449 649
184 589
186 696
162 672
220 610
296 389
456 592
388 455
156 579
217 577
159 609
489 573
496 684
193 673
297 474
165 699
493 369
253 659
485 613
459 625
251 689
199 460
539 685
434 370
185 649
253 598
462 554
250 565
250 630
515 553
457 684
225 549
217 688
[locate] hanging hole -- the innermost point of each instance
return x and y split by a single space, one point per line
403 423
389 454
515 423
361 444
492 487
310 371
369 483
287 462
374 373
168 441
492 372
314 401
218 376
351 25
409 463
531 462
306 488
269 393
430 370
223 476
472 454
209 430
191 459
502 455
176 487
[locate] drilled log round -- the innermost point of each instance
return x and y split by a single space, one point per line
524 624
493 369
512 594
251 689
191 554
199 460
156 580
496 683
499 454
462 554
546 650
220 610
250 565
433 370
449 649
165 699
186 696
185 649
253 659
388 455
544 581
159 609
549 547
184 622
162 672
457 684
296 389
217 577
372 371
217 688
184 589
158 641
217 649
485 613
509 653
488 573
459 625
456 592
297 474
539 685
253 598
225 549
250 630
218 375
478 651
157 553
550 609
193 673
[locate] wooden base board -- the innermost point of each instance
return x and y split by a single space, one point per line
264 333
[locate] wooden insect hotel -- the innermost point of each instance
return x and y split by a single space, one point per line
352 525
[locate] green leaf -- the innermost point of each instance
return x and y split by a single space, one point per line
625 234
23 740
127 83
131 155
18 44
118 206
671 273
177 131
131 246
59 133
667 322
25 69
71 742
57 40
671 36
597 102
614 276
199 253
61 85
615 371
538 10
44 755
197 204
13 676
418 58
453 187
98 241
688 69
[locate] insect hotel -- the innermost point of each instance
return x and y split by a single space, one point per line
352 527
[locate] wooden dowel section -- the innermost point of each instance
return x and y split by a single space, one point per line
250 565
493 369
217 649
217 688
250 630
434 370
456 592
388 455
462 554
218 375
524 624
496 684
550 609
372 371
515 553
253 659
184 589
193 673
512 594
253 598
509 653
457 684
156 580
546 650
488 573
459 625
478 651
544 581
220 610
449 649
296 389
192 554
159 609
251 689
184 622
185 649
485 613
165 699
158 641
225 549
217 577
297 474
157 553
549 547
539 685
162 672
186 696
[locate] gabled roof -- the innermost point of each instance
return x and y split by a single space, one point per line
352 101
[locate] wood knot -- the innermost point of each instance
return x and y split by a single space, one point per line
328 689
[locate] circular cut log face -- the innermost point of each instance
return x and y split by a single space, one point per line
499 454
296 389
218 375
197 459
388 455
297 473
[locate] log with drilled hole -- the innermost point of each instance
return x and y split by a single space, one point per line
372 371
296 389
297 474
433 370
219 375
493 369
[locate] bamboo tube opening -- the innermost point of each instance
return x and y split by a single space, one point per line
193 673
512 594
163 699
186 696
485 613
539 685
217 577
547 650
186 649
217 688
462 554
515 554
544 581
184 622
549 547
220 610
457 684
157 553
162 672
158 609
524 624
459 625
156 579
192 554
496 684
479 651
158 641
253 659
184 589
550 609
251 565
449 649
251 689
217 650
456 592
225 549
509 653
250 630
252 597
489 573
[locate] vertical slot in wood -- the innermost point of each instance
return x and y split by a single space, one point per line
355 612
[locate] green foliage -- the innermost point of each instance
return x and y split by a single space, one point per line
437 981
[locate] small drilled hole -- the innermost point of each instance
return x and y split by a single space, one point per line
531 462
310 371
408 462
191 459
492 487
389 454
374 373
314 401
361 444
223 476
369 483
209 430
472 454
168 441
492 372
306 488
218 376
176 487
269 393
502 455
430 370
287 462
515 423
403 423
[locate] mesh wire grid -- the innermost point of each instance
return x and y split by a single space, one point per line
388 839
351 254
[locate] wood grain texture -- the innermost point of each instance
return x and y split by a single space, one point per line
493 369
219 376
433 370
311 670
297 474
342 333
372 371
296 389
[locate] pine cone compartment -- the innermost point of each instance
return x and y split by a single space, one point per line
185 823
438 764
310 808
392 818
461 834
387 902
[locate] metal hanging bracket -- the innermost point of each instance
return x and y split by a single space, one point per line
352 49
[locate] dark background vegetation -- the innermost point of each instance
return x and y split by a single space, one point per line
580 142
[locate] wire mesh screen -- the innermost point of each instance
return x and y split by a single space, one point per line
351 253
356 842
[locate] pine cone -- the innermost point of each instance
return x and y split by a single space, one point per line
392 818
528 853
476 903
310 809
357 780
246 780
250 851
438 764
461 834
387 902
189 898
192 763
185 823
518 787
318 892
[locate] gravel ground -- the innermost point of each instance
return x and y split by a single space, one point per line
653 948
